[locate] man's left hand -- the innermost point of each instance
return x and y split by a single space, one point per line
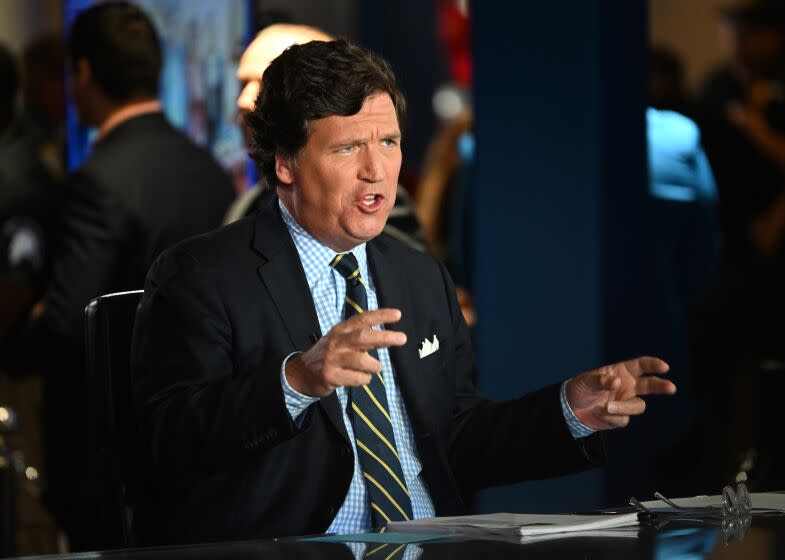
605 398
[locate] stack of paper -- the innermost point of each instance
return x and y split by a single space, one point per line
526 525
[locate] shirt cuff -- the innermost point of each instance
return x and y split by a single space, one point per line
296 402
577 429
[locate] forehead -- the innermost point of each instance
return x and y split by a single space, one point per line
256 59
272 42
376 117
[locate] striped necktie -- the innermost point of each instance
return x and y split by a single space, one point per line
387 551
373 432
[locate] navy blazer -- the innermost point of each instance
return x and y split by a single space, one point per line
224 460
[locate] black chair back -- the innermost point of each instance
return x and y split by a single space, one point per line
111 426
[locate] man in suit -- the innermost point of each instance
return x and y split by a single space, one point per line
29 198
144 188
299 371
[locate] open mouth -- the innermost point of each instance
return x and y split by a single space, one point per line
370 201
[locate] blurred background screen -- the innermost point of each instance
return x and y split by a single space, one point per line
202 43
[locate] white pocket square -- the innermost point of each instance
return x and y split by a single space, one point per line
428 347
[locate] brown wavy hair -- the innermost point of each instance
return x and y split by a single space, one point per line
312 81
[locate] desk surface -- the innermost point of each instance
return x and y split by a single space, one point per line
765 539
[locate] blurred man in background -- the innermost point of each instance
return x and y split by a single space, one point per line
268 44
43 97
144 188
28 200
741 111
742 114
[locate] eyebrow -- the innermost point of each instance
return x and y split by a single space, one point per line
353 141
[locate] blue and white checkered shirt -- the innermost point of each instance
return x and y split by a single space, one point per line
328 290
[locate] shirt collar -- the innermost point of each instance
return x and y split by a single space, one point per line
127 112
315 255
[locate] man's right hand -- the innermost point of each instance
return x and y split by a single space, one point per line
340 358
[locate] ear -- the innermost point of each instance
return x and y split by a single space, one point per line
284 169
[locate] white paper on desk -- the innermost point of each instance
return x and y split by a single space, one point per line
612 533
630 532
761 502
522 524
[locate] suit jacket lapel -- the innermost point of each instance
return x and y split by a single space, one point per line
392 291
284 278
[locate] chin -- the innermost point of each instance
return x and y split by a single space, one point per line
370 233
356 238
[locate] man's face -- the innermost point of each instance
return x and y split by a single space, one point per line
341 186
265 47
249 73
250 78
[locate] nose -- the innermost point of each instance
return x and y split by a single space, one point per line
371 167
247 97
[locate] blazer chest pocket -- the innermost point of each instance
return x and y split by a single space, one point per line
430 353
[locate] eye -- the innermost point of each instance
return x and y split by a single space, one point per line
347 149
389 142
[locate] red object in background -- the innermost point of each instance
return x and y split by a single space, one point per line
454 32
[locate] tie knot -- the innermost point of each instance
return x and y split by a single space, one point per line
346 265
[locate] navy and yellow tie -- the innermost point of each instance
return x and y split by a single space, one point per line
370 416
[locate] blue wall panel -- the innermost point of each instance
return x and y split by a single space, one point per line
548 171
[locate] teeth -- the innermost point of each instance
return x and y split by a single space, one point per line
369 199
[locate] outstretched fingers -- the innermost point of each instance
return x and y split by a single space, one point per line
366 339
353 378
649 385
628 407
373 318
356 361
647 364
617 414
358 332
